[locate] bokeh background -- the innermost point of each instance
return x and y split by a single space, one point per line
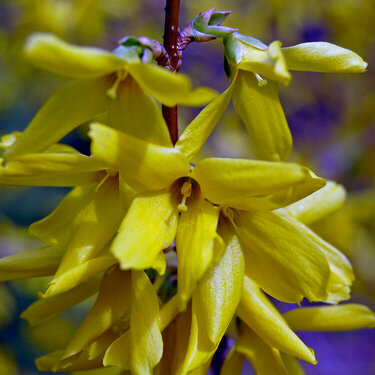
331 118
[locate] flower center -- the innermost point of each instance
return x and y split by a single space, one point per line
121 75
186 192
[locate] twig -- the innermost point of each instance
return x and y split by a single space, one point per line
172 10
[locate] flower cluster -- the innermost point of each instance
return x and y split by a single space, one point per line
179 254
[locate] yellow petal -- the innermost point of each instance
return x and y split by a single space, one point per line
145 166
50 52
56 227
70 106
219 292
261 111
51 362
257 311
197 132
282 260
93 227
78 274
341 275
268 63
285 196
33 263
45 308
344 317
264 359
309 185
101 344
169 88
141 347
233 363
323 57
147 343
136 113
49 169
112 303
197 243
319 204
149 227
118 353
231 182
185 341
188 355
160 264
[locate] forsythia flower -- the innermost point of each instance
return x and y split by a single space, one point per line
106 81
257 69
163 176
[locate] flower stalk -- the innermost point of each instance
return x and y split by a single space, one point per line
172 11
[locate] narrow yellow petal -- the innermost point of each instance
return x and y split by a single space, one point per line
33 263
341 275
269 63
169 88
273 246
309 185
197 243
189 355
264 359
319 204
112 303
147 343
257 311
101 344
93 227
219 292
283 197
197 132
137 114
141 347
56 227
70 106
346 317
50 52
182 328
261 111
78 274
231 182
160 264
51 362
49 169
323 57
45 308
144 165
118 353
149 227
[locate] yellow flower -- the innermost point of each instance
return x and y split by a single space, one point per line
257 69
166 185
104 79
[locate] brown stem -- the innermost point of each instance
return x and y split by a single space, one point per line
172 11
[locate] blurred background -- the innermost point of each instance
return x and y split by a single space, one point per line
331 118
